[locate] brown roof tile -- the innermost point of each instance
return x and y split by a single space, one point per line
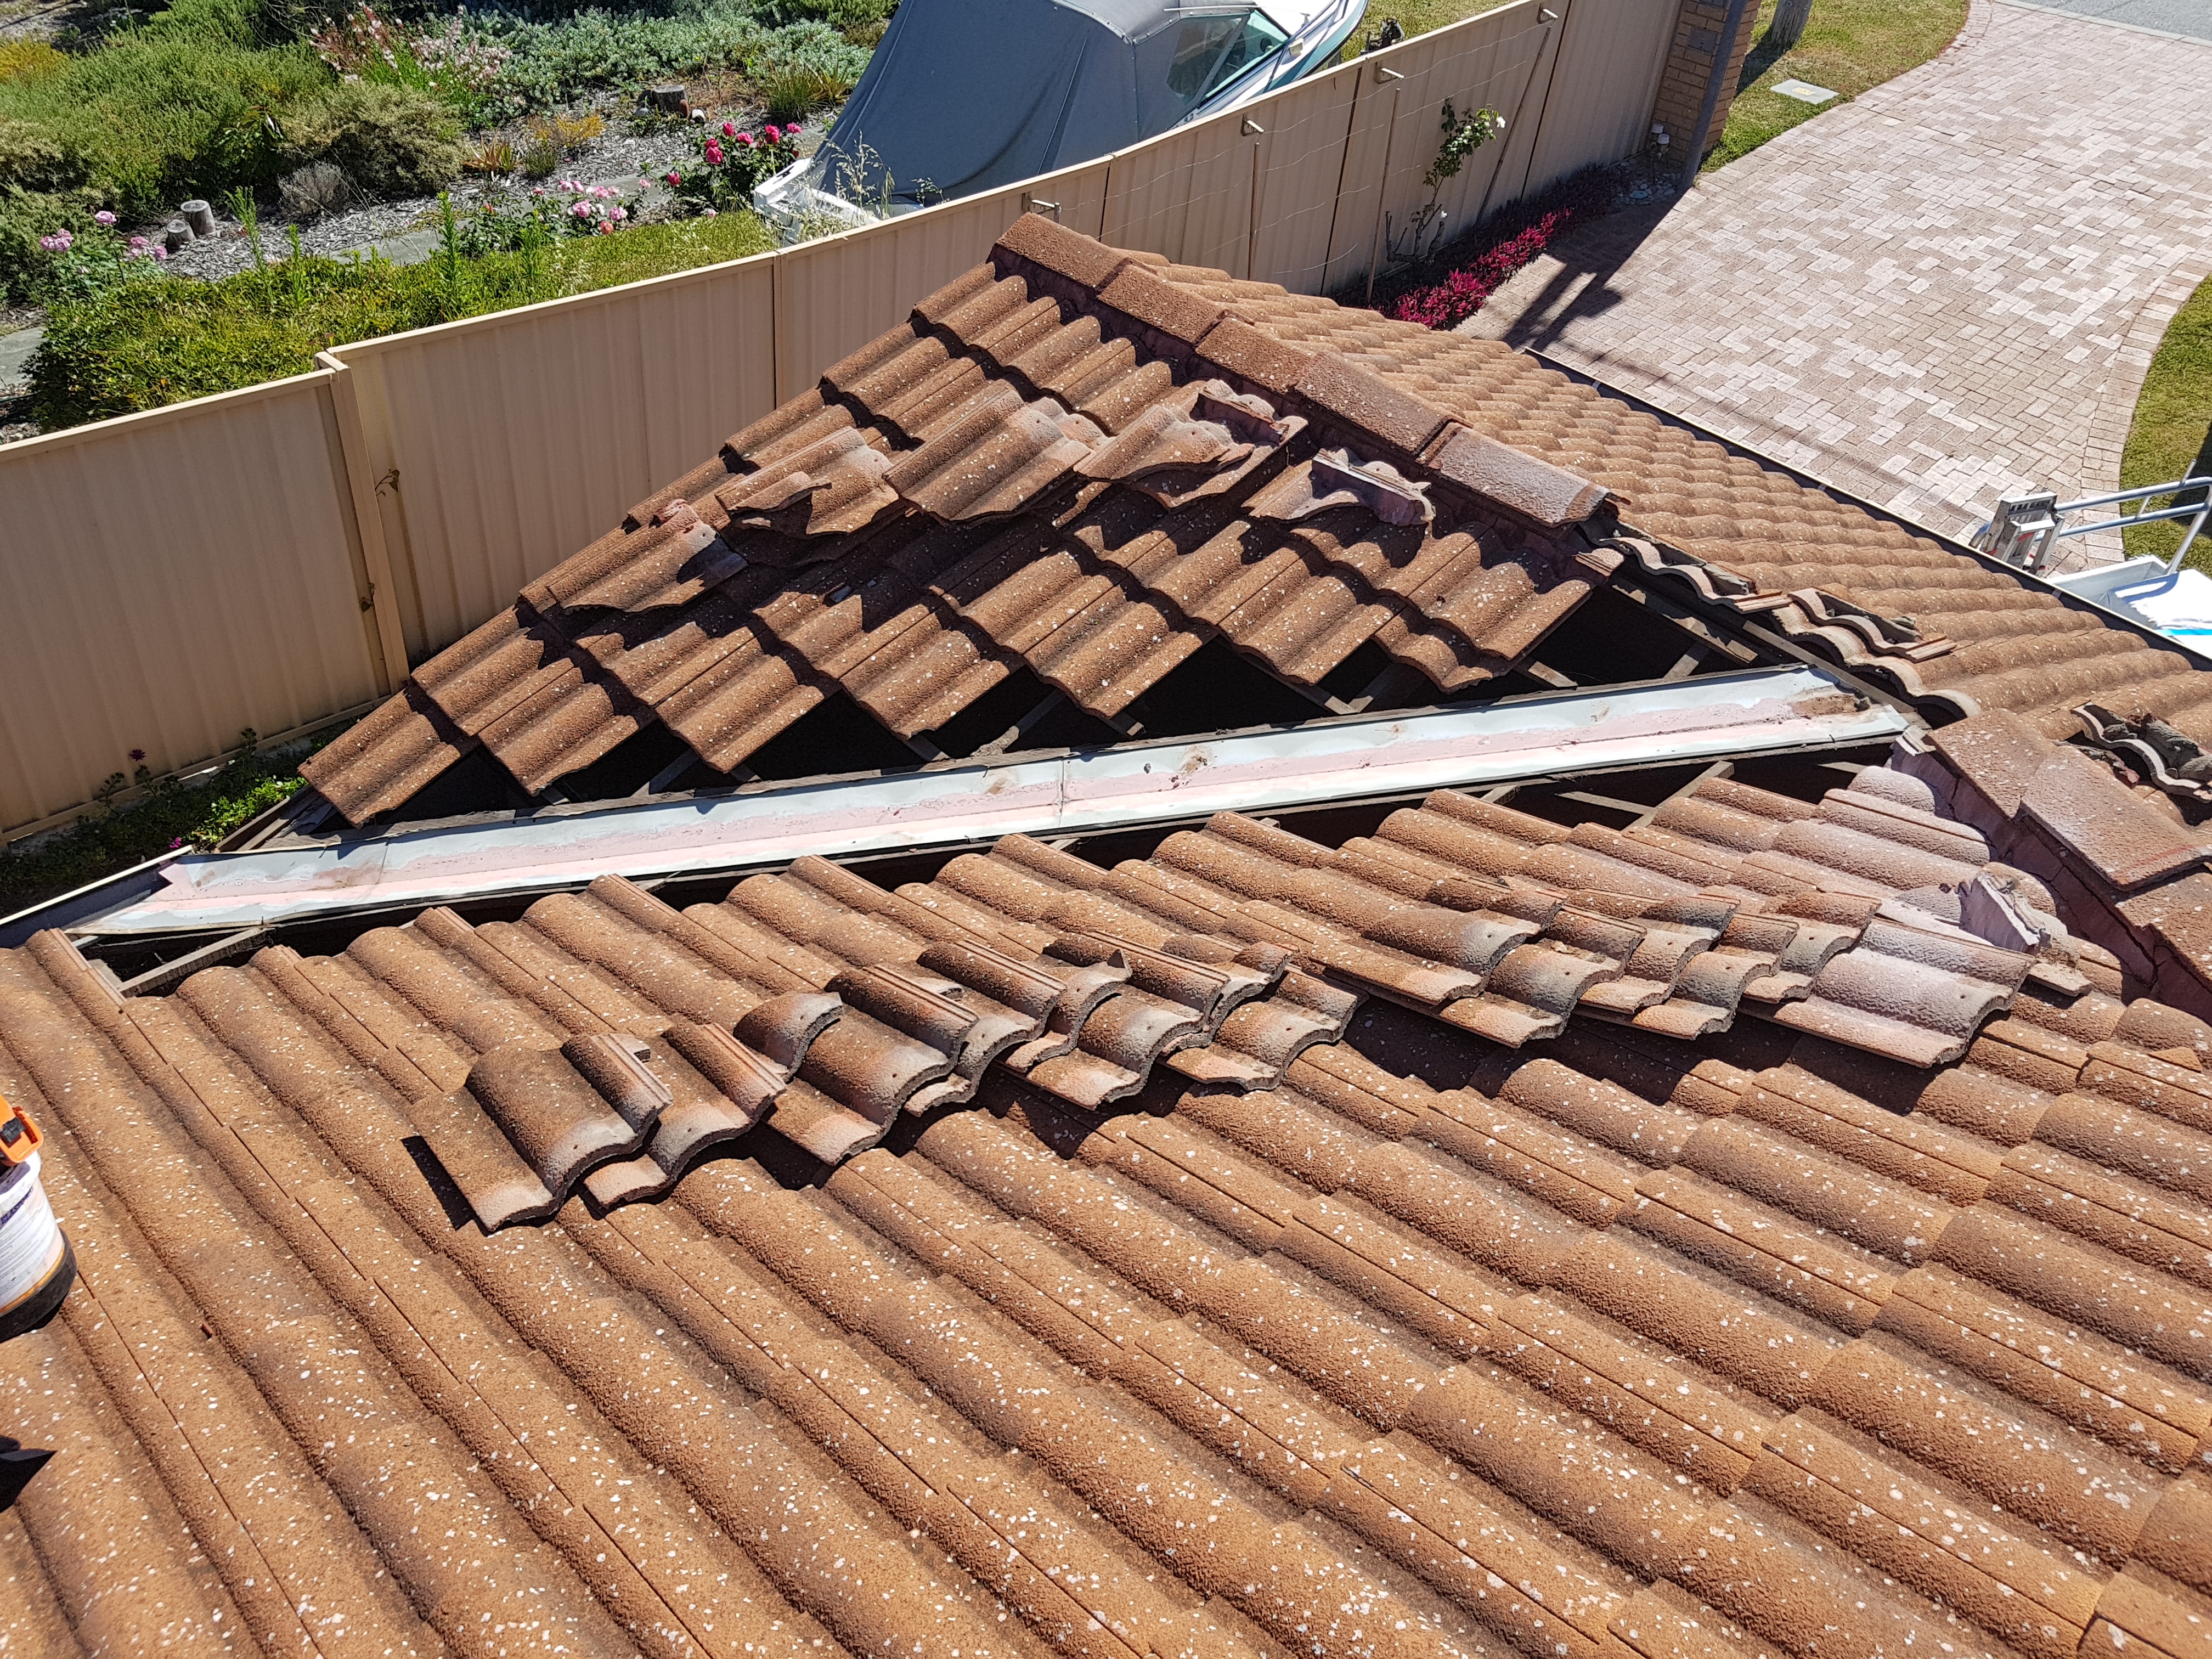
1348 1209
1082 360
1728 520
948 1258
1028 421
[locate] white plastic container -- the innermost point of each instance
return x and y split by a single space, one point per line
37 1265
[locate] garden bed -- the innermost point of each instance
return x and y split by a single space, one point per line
167 815
1447 287
339 147
212 96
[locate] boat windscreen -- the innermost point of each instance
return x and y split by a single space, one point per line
1204 55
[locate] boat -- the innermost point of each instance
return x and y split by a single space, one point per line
963 96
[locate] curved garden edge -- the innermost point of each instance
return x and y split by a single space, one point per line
2170 434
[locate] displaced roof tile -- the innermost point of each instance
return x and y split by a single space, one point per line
1535 488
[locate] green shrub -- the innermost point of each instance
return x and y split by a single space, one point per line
170 816
25 57
152 342
187 104
552 63
791 93
38 158
846 16
389 140
25 216
811 49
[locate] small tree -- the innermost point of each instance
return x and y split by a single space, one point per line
1463 135
1788 23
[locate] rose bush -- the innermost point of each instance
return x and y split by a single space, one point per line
83 266
730 163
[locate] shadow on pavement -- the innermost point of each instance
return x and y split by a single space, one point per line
1588 257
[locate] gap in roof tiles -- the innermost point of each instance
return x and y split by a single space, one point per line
835 734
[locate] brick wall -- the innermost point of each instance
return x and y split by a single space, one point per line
1689 60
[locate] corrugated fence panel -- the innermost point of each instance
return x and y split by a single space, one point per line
503 444
1191 194
1301 164
834 296
1251 193
1501 60
170 578
1600 108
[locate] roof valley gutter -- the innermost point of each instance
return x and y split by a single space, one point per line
1361 759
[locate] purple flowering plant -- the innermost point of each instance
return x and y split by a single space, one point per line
80 265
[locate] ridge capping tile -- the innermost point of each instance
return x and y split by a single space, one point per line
1165 309
1083 260
1538 490
1364 400
1236 348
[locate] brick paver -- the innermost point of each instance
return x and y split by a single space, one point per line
1944 290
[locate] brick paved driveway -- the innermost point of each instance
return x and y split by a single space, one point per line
1948 289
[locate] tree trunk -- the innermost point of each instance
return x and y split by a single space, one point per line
1790 17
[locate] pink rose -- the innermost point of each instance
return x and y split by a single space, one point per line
103 217
791 132
714 153
774 135
746 139
729 128
675 178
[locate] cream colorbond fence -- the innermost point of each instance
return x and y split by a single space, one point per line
275 557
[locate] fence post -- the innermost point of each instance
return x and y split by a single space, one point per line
387 640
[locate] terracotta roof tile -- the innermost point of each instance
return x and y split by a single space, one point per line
1731 519
1045 325
949 1256
1010 385
1678 1268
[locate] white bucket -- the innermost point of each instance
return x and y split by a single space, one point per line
31 1247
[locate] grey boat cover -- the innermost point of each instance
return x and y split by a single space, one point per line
966 95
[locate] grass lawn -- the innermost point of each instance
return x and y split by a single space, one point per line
2172 435
1416 17
1849 46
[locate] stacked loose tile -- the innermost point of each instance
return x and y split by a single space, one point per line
605 1041
1762 1346
1868 919
1059 462
1943 628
